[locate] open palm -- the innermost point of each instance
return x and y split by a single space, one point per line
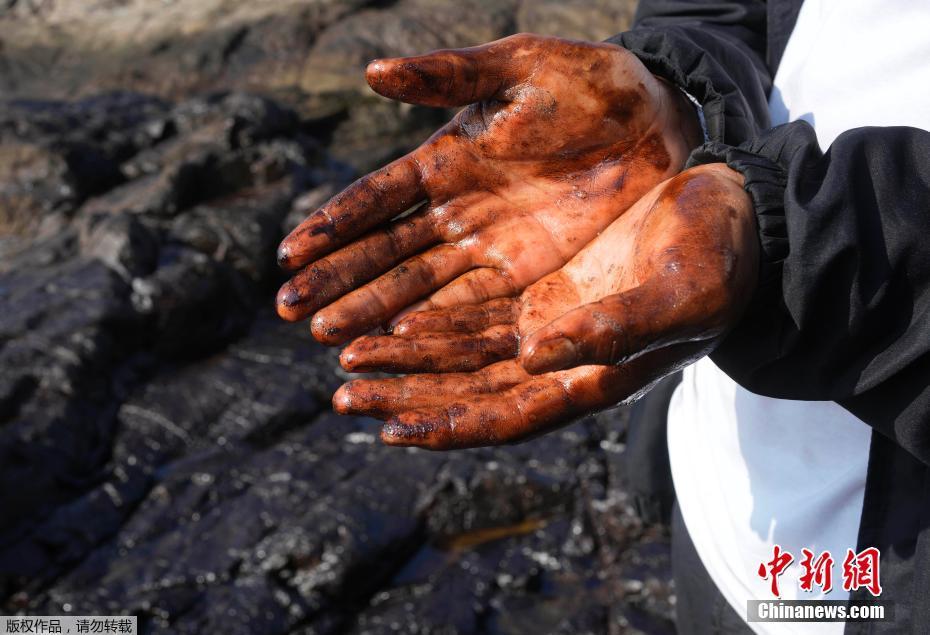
560 138
653 292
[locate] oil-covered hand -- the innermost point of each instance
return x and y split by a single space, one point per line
559 139
653 292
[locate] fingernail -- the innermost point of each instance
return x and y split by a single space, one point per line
396 433
342 400
284 254
287 295
325 332
286 301
550 355
374 70
348 360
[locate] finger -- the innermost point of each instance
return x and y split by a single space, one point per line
528 260
379 300
329 278
383 398
534 407
474 287
369 201
453 77
430 353
660 312
460 319
523 411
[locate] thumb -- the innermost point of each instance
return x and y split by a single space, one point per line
621 327
453 77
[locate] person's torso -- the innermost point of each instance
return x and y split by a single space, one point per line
751 472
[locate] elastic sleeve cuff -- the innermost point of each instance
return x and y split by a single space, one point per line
765 162
675 59
734 108
765 182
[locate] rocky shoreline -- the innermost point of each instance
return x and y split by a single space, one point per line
167 447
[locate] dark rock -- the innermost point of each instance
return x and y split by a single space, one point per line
167 447
592 20
97 303
61 49
54 155
122 242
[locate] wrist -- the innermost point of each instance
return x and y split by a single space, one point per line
682 115
720 170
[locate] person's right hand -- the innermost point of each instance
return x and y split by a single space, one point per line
655 291
561 137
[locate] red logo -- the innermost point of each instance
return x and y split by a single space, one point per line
817 572
775 567
860 570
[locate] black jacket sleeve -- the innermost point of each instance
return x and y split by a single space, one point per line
714 50
843 309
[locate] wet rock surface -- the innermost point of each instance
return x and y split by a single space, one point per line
167 447
59 48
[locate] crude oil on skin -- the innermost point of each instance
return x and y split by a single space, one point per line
169 448
682 295
490 178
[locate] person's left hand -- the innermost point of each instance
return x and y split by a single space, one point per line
558 139
655 291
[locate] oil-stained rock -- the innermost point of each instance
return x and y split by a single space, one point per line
166 443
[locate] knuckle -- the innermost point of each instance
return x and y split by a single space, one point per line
526 39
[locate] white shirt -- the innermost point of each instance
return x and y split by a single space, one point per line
751 472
